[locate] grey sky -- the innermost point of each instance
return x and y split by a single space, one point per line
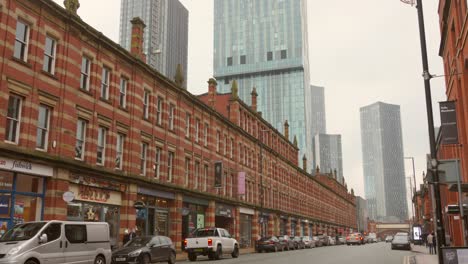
362 51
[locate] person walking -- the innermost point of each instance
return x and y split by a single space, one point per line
430 243
434 243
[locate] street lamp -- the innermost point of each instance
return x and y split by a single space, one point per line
430 120
412 195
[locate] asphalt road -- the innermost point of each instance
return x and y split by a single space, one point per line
378 253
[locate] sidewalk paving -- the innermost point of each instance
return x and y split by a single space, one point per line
423 256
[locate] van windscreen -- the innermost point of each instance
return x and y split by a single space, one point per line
22 232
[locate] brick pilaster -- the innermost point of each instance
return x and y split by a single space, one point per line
210 214
176 220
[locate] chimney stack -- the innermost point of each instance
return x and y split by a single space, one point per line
212 84
254 99
286 129
304 163
136 49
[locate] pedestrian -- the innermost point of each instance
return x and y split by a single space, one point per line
430 243
434 243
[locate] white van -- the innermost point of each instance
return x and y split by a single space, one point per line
56 242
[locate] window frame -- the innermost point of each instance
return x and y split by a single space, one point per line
206 129
24 43
196 174
101 146
15 120
85 75
105 83
157 163
187 171
218 140
159 109
143 157
170 165
123 92
146 103
206 169
187 125
120 143
171 116
229 61
197 130
45 140
50 66
81 140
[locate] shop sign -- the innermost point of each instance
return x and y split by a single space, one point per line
68 196
97 195
200 220
224 210
448 123
96 182
218 174
156 193
26 167
248 211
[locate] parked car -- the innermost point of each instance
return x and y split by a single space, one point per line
271 244
401 241
331 241
146 249
212 242
308 241
318 242
56 242
355 239
288 242
388 239
298 243
324 239
341 240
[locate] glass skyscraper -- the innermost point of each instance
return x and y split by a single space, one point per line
263 44
383 162
165 36
328 154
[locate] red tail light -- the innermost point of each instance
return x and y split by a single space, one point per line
361 238
185 243
210 242
271 243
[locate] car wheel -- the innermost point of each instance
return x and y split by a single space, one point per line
144 260
31 261
218 253
235 253
193 256
172 258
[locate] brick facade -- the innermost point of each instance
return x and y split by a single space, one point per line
235 134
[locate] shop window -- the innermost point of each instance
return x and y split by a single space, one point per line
27 209
5 205
75 233
29 184
6 181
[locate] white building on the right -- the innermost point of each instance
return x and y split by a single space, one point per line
383 162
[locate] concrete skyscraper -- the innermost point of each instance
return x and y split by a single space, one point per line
315 108
264 44
328 154
166 32
383 162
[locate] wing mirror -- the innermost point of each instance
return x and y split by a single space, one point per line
43 239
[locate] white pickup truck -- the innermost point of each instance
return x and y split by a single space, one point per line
213 242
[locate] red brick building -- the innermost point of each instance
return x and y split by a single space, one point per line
87 122
454 51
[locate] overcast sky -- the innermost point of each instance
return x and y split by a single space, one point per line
362 51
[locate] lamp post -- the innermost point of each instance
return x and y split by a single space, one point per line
411 194
413 190
430 120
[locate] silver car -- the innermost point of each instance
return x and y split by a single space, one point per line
308 241
56 242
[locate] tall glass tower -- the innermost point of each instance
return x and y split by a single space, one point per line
328 154
263 44
383 162
165 36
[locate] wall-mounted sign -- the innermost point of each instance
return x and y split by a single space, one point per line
218 174
68 196
448 123
96 182
96 195
26 167
224 210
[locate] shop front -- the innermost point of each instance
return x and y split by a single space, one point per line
263 219
152 211
96 200
246 216
224 217
283 225
193 215
22 189
293 227
302 229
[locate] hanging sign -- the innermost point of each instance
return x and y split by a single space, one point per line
218 174
448 121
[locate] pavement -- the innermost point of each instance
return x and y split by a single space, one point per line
422 256
182 255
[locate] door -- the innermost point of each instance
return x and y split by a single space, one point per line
156 249
166 247
52 252
76 248
228 242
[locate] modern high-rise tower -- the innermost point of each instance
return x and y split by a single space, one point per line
383 162
328 154
165 36
315 108
263 44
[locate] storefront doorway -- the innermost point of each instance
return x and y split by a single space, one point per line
152 211
193 215
223 217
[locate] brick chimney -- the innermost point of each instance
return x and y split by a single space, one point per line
212 84
286 129
254 99
304 163
138 27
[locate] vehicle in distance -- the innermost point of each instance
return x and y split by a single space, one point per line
401 241
309 243
287 242
56 242
354 239
318 242
212 242
146 249
271 244
388 239
298 243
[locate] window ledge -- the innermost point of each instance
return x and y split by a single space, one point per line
107 101
50 75
125 109
88 92
22 62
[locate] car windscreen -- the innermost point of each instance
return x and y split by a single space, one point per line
204 233
138 242
400 239
22 232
